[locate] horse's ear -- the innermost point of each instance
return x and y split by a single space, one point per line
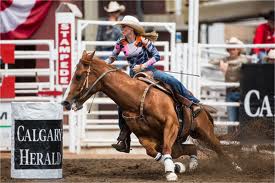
91 55
84 54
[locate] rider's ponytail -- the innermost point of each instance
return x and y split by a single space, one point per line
152 36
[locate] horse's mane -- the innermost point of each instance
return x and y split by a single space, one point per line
99 60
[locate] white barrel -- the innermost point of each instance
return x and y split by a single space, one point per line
37 140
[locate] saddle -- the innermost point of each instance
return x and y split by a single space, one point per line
182 104
147 77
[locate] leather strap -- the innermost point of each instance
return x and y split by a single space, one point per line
143 99
97 80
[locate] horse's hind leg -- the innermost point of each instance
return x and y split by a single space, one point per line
205 131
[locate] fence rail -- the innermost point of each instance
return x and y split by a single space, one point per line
94 130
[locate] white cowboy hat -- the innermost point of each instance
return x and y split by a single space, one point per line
234 40
132 22
113 6
271 54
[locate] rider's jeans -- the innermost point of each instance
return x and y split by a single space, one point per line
176 84
233 112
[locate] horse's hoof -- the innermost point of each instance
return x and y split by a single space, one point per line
193 164
237 168
171 176
179 167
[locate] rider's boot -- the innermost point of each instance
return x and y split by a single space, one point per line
123 141
195 107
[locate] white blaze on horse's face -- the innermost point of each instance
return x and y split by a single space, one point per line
75 88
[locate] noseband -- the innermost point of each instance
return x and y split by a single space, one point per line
86 82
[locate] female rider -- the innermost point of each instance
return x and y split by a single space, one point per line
141 55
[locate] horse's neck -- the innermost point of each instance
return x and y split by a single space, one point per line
121 89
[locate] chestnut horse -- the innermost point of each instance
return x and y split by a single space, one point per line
157 131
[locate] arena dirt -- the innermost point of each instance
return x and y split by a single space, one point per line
257 168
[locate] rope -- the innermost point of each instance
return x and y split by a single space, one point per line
183 73
91 104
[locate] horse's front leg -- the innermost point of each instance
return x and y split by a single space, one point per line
169 136
153 148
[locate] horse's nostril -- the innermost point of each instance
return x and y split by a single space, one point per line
66 104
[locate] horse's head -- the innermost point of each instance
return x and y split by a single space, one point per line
79 89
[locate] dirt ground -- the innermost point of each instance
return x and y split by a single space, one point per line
126 168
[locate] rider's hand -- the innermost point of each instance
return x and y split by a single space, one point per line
110 60
138 68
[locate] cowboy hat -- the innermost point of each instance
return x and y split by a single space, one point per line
234 40
270 55
113 6
132 22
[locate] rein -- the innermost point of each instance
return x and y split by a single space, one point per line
86 82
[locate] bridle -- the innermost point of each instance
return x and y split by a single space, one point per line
86 82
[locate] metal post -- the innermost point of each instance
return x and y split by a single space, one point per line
178 7
195 46
139 10
173 45
51 63
185 63
190 42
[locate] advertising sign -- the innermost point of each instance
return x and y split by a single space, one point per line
257 101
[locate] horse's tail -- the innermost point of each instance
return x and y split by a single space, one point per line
228 137
209 108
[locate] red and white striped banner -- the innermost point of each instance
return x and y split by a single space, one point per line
20 19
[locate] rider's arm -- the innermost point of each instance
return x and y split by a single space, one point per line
215 61
152 50
237 63
115 53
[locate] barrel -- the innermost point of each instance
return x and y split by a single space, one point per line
37 140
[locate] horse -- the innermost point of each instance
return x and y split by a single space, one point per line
154 122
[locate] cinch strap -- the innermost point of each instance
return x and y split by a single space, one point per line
143 99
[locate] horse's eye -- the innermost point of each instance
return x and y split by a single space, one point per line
78 77
86 65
